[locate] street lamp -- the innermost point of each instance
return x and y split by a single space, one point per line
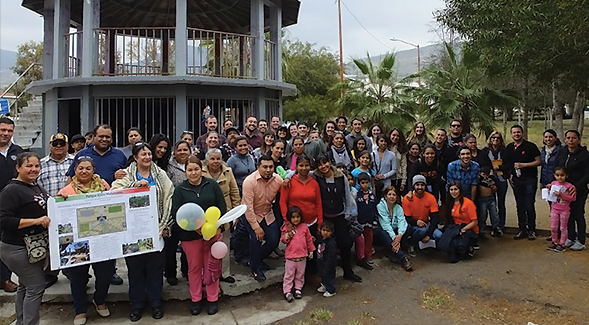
418 55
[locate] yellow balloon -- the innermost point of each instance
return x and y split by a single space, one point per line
209 230
183 223
213 214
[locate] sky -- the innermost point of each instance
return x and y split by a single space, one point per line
411 21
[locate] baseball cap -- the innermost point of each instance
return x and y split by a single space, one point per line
419 179
232 129
58 136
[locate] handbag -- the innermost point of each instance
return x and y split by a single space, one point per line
355 229
37 246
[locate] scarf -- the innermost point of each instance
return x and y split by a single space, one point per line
96 185
549 152
340 155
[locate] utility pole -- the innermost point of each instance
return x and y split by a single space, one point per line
341 46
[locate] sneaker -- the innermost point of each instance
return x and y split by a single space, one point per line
476 247
520 235
560 249
321 289
364 264
407 264
569 243
499 232
549 238
326 294
494 233
298 294
288 296
532 235
116 280
259 276
369 261
471 251
552 246
577 246
411 251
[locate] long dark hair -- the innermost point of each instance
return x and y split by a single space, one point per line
449 204
326 138
355 149
402 145
165 160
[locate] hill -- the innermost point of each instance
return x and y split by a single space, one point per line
7 59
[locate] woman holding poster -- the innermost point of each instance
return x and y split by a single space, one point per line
206 193
23 217
86 181
146 271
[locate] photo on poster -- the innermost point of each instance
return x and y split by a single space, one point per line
66 240
65 228
74 253
101 220
139 201
140 246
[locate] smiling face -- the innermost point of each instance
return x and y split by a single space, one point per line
454 191
252 123
58 149
361 145
414 150
212 140
357 126
341 124
277 150
211 123
549 139
103 139
241 146
303 168
30 169
375 131
275 122
182 153
324 167
188 138
429 154
84 172
161 149
268 139
227 124
338 140
281 134
419 189
382 143
364 160
143 157
395 136
303 130
263 126
440 136
419 129
329 129
516 134
465 156
391 197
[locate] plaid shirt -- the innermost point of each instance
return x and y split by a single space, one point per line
231 151
466 177
53 176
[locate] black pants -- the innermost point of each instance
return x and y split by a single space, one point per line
145 277
171 264
312 263
240 241
524 189
344 242
577 224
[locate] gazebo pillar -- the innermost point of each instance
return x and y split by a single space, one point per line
48 18
181 43
276 38
257 32
61 26
91 20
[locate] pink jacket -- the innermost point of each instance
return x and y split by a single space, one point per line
563 204
300 244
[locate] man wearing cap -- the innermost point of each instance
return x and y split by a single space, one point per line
421 212
77 142
8 153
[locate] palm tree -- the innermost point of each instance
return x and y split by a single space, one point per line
379 96
458 88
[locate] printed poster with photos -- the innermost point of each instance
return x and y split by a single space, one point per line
95 227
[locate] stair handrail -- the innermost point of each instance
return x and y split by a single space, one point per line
14 83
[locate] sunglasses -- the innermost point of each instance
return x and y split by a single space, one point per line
58 144
455 125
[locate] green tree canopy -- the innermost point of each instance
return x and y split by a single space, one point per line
27 54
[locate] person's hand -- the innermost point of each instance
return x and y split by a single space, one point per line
425 239
286 182
290 228
402 188
165 233
63 195
311 255
572 190
549 186
260 233
396 245
409 196
43 221
518 165
420 223
379 177
142 183
120 174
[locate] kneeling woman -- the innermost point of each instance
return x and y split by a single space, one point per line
146 271
86 181
206 193
461 234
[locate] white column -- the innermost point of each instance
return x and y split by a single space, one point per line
91 20
257 31
50 115
181 110
87 110
48 18
61 24
181 37
276 37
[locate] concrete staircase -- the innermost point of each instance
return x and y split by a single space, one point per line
29 125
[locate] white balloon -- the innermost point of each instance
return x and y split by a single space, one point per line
232 215
192 212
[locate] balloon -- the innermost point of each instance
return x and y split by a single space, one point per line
212 214
209 230
232 215
281 172
193 215
219 250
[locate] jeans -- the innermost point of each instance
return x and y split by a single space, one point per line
260 250
78 276
524 189
388 241
501 194
577 224
417 234
145 273
5 272
31 283
484 204
329 283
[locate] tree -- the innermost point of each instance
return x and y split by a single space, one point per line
377 95
314 71
27 54
458 88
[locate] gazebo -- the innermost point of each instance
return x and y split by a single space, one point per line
156 64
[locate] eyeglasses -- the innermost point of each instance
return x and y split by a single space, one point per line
455 125
58 144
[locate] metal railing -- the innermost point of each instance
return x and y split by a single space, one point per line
135 51
219 54
14 84
73 44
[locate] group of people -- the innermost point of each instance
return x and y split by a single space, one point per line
321 193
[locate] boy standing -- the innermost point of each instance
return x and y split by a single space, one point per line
327 259
486 201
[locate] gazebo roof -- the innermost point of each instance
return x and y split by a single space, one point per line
218 15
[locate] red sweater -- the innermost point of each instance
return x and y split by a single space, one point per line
305 196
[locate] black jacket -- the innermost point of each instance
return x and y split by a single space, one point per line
577 166
8 165
326 256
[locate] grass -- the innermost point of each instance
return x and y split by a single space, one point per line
301 323
321 315
436 298
354 322
535 131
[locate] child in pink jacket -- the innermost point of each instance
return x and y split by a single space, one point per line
560 210
299 246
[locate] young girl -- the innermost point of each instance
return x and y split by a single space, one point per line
560 210
299 246
364 160
357 148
